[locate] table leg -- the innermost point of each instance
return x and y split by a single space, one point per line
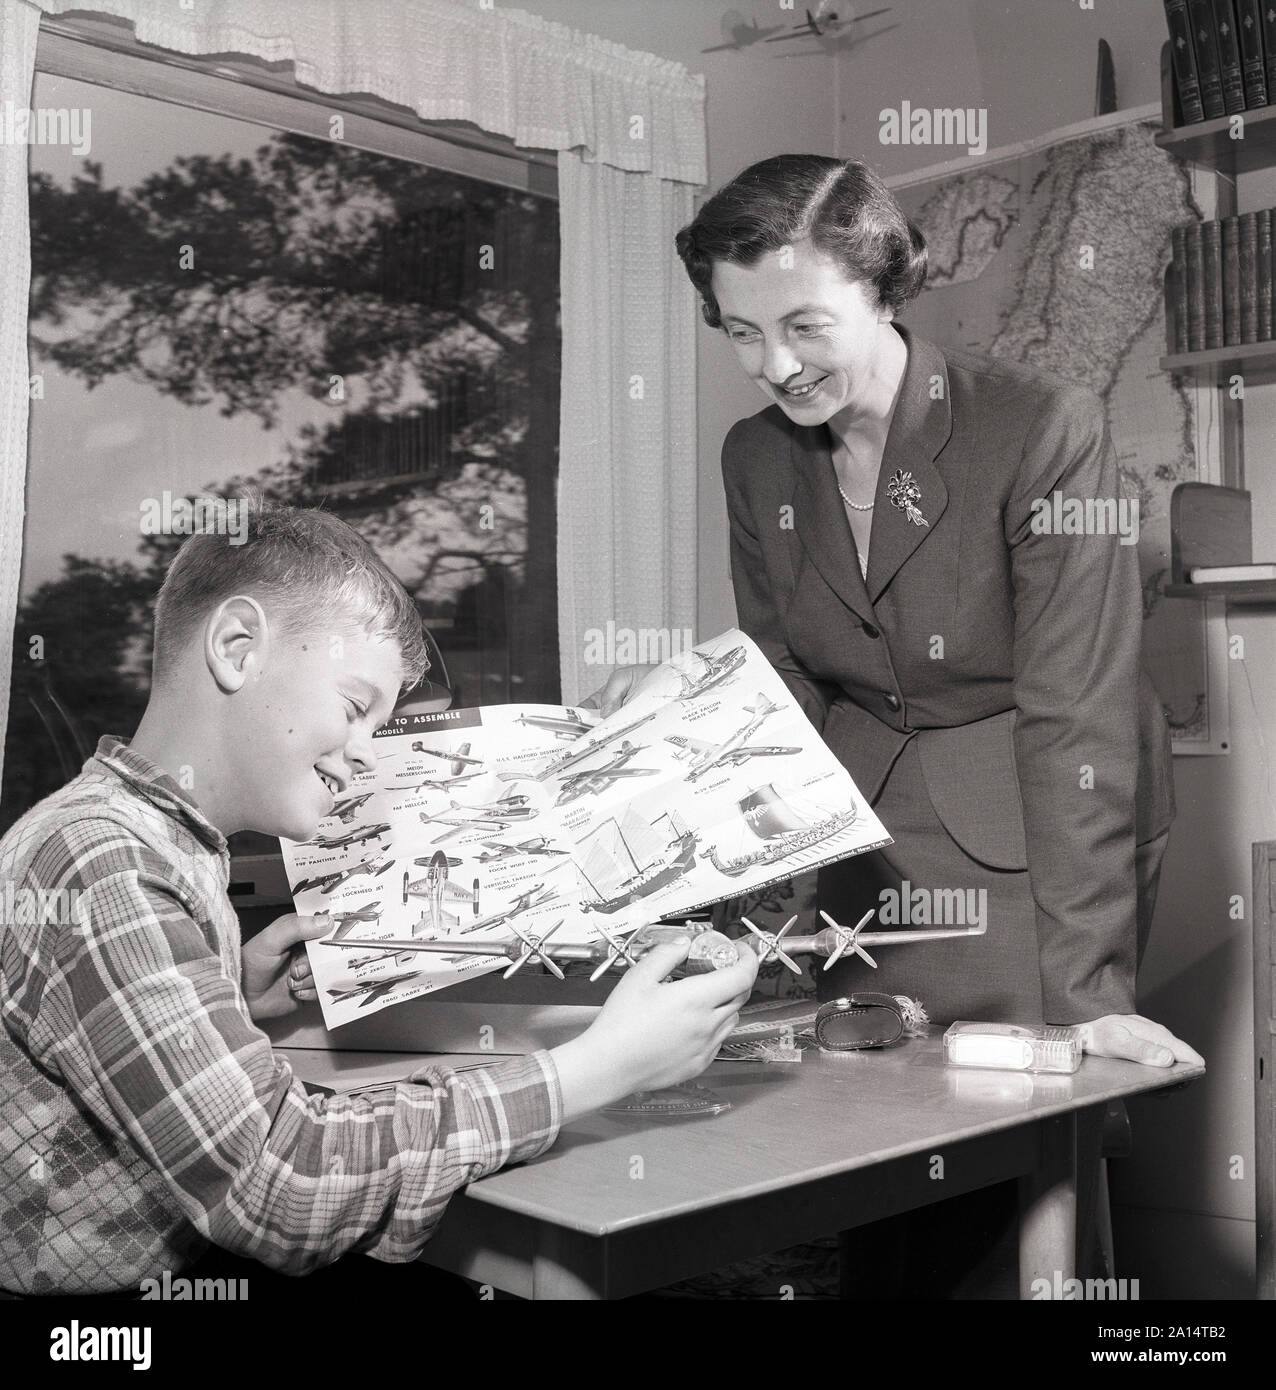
1048 1211
566 1265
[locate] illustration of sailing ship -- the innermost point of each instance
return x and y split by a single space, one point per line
780 829
627 858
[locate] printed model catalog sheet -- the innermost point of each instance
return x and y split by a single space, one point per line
513 825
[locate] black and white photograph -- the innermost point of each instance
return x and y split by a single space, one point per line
636 664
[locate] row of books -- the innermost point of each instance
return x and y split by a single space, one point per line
1219 292
1224 55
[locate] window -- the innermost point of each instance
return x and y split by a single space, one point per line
299 302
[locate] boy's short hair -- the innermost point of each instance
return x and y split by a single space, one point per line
307 568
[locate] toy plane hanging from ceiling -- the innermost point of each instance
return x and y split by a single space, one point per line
327 882
829 19
740 33
734 750
357 835
598 779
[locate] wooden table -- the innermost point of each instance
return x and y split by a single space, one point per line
624 1204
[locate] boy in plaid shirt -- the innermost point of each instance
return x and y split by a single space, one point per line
143 1114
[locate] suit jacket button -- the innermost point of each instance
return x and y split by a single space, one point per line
892 700
870 630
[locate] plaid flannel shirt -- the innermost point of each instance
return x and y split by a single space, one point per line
142 1112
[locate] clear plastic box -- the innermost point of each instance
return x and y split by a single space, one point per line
1012 1047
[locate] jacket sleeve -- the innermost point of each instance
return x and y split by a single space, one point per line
757 606
1077 635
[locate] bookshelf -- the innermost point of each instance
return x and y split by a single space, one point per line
1211 142
1226 537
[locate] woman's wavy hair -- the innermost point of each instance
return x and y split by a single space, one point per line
842 206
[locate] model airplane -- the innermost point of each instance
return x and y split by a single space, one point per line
345 810
499 815
710 949
457 762
494 851
598 779
327 882
734 750
829 19
740 33
355 836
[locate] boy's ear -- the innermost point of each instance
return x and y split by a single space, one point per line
236 640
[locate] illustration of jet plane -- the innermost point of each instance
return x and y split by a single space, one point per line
457 762
345 810
598 779
499 815
374 989
355 836
716 670
570 728
327 882
346 921
734 750
494 850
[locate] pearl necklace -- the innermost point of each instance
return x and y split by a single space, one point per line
856 506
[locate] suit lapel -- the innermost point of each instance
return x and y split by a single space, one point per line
820 524
909 482
919 430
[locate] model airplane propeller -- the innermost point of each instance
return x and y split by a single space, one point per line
837 940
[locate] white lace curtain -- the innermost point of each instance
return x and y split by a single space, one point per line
630 134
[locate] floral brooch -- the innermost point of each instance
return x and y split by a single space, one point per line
905 494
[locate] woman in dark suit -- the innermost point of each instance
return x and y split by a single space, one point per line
894 554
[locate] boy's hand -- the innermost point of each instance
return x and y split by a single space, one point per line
650 1033
276 969
619 690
